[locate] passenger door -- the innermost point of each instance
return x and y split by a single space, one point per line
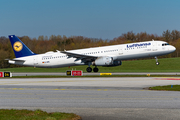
154 46
120 51
35 61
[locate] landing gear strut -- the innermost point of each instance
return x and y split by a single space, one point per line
89 69
157 63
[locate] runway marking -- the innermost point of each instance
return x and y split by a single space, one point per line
17 88
167 78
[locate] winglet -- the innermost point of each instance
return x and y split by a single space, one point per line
19 48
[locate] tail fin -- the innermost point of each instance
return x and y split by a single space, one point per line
19 48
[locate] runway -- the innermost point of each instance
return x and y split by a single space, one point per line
94 98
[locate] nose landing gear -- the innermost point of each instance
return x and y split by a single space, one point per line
157 63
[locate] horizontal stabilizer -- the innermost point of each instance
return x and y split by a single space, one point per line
16 60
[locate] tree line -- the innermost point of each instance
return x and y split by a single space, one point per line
53 43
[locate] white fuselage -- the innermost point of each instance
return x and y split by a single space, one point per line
117 52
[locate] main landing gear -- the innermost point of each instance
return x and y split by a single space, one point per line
95 69
89 69
157 63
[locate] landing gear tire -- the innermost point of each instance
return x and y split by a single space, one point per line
157 63
89 69
95 69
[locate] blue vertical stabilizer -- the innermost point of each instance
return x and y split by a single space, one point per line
19 48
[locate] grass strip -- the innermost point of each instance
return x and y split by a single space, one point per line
166 88
14 114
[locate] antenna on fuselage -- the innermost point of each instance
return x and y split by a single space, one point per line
57 51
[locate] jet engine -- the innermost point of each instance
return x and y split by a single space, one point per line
106 61
103 61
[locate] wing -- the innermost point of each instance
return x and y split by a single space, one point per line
84 58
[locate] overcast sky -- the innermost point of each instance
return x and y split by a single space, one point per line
104 19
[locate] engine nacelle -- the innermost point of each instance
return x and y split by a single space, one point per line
103 61
106 61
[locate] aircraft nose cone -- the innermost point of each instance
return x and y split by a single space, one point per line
173 48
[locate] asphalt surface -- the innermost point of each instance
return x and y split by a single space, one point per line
122 98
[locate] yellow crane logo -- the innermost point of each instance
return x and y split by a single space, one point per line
17 46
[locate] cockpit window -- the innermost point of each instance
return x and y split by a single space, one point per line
164 44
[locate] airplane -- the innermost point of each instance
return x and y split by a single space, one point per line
107 56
